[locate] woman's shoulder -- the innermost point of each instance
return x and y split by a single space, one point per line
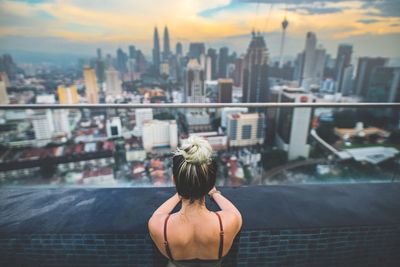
231 221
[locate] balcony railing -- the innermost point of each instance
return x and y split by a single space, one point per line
113 145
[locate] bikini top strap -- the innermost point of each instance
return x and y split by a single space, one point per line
166 240
221 237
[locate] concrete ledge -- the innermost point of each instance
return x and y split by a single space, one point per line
302 225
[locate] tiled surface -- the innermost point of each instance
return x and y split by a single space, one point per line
343 246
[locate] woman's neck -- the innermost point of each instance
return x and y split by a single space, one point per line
196 208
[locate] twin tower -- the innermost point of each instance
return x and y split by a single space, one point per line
156 48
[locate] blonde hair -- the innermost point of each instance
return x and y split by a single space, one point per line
194 168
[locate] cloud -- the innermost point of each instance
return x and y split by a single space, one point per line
368 21
384 8
315 10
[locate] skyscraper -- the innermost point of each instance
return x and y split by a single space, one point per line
255 71
122 59
178 49
212 53
313 64
132 51
364 69
225 90
113 83
92 92
196 49
194 83
384 85
343 59
156 52
223 62
98 53
68 95
166 52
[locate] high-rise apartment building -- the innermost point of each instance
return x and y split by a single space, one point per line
255 71
194 83
159 134
67 95
92 92
113 83
246 129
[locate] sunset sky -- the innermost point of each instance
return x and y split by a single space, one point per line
80 26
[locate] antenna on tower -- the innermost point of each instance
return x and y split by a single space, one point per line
284 25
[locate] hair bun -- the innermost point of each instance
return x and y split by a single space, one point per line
196 150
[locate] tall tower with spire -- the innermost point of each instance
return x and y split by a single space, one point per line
285 24
166 51
156 52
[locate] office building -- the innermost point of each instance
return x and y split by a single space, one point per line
166 51
364 70
178 49
67 95
122 59
313 63
293 125
347 81
160 134
92 92
384 85
195 50
255 71
246 129
212 54
132 51
156 52
343 60
225 90
113 83
197 121
114 127
194 83
223 62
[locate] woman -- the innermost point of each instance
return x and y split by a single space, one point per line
195 236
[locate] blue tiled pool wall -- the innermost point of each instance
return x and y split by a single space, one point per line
344 246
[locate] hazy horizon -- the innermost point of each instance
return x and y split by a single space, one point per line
76 27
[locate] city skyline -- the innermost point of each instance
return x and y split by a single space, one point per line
373 27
